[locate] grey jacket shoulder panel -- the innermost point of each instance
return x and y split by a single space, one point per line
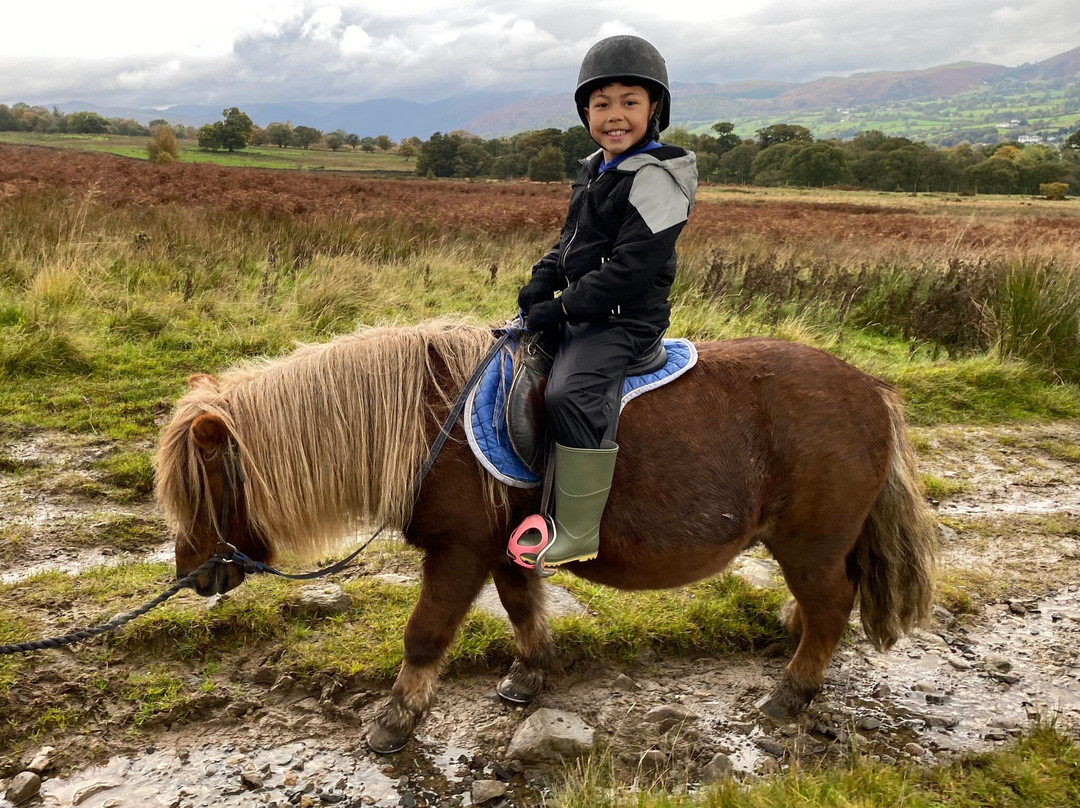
682 169
663 191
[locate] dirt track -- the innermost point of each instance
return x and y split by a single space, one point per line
965 684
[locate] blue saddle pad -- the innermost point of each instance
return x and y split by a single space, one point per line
485 409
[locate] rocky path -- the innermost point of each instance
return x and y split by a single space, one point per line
971 681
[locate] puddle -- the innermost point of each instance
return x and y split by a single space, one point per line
305 773
1066 500
977 686
226 776
77 563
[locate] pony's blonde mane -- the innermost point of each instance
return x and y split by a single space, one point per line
329 437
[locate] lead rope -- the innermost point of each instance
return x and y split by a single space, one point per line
113 624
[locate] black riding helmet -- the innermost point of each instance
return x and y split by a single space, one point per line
625 57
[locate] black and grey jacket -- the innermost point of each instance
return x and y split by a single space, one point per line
616 252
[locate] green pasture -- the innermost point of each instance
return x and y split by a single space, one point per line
314 159
924 118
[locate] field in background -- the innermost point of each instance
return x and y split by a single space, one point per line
120 278
314 159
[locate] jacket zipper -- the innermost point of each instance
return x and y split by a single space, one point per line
577 224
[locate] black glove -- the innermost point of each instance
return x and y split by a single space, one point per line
535 291
546 314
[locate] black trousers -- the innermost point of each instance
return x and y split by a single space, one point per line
585 384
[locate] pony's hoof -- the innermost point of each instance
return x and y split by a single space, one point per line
512 692
383 742
776 705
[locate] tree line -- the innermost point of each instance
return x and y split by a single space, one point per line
778 155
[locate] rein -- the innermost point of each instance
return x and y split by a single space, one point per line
228 554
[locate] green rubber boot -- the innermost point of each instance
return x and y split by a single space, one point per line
582 482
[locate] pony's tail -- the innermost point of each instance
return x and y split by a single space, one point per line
896 554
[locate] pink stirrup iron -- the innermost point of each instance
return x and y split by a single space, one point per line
529 554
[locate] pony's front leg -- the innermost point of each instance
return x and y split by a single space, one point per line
452 579
522 594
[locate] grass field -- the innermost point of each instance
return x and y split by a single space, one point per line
977 109
118 279
314 159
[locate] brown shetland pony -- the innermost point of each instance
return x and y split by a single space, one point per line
763 440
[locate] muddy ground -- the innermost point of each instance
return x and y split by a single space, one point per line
1003 652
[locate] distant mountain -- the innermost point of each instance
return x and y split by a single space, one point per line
888 86
694 105
1062 67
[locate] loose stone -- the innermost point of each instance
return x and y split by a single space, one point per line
943 615
914 749
667 716
42 760
322 600
769 765
653 760
770 747
251 779
719 768
549 734
998 662
22 787
86 792
869 722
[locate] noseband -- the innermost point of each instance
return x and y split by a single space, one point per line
225 552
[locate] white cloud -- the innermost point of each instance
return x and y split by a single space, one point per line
323 23
355 40
209 51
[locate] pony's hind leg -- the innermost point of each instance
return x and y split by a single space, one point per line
452 579
824 596
522 595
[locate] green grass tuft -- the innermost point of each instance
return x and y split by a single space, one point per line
40 353
133 472
940 489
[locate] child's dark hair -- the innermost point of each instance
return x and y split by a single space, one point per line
655 92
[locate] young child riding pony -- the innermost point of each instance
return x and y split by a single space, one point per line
613 266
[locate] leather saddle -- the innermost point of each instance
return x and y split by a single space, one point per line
526 418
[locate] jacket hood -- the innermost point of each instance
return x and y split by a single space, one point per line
682 168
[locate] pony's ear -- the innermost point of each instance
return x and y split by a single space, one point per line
209 433
198 380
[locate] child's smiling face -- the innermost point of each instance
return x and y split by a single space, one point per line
619 116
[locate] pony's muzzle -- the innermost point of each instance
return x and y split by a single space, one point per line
217 580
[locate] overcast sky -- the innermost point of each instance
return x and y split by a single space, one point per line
148 53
